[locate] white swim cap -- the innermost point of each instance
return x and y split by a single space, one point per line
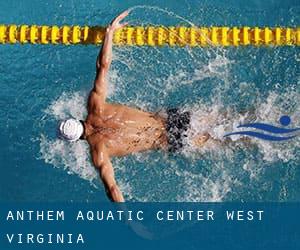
70 130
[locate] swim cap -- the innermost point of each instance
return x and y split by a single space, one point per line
70 129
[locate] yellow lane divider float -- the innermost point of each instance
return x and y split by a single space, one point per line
152 36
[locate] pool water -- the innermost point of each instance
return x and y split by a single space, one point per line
43 84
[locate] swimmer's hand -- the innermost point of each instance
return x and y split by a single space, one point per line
115 24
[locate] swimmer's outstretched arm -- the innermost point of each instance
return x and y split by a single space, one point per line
105 56
103 164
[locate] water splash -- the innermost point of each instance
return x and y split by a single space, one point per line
215 85
192 185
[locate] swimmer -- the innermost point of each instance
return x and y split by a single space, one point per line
114 130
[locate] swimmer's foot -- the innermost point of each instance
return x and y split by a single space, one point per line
200 140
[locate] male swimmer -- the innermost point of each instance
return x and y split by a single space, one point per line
117 130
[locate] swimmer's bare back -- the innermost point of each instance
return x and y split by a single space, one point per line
113 129
123 130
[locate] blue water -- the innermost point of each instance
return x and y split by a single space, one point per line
42 84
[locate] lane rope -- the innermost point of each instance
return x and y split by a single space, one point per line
152 35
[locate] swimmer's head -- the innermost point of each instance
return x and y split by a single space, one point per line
70 130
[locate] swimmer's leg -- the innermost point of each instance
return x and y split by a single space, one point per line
200 140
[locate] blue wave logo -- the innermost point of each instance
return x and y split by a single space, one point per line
279 133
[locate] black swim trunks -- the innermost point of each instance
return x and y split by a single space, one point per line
177 125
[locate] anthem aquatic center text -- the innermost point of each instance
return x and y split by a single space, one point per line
15 217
